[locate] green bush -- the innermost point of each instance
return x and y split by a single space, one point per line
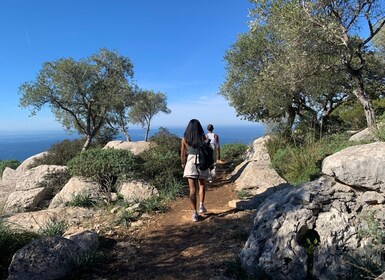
300 161
8 163
53 227
60 153
166 140
233 152
105 166
81 200
11 240
162 163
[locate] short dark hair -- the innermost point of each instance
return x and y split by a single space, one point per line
210 127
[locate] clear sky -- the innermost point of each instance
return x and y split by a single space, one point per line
176 46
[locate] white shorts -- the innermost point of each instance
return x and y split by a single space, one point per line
191 171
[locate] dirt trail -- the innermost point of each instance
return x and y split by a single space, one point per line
171 246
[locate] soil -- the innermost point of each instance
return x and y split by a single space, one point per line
171 246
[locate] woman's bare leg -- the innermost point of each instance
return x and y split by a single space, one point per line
192 186
202 190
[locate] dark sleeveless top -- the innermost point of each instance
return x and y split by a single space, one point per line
191 150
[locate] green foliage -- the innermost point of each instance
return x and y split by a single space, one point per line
60 153
299 160
161 165
81 200
83 95
154 204
8 163
166 140
173 190
11 240
352 115
243 194
369 263
373 229
105 166
147 105
83 262
124 218
53 227
232 152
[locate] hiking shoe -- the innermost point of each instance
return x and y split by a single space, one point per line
202 209
195 217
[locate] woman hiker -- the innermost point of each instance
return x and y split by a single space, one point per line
193 135
214 142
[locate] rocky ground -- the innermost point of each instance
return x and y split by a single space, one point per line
170 246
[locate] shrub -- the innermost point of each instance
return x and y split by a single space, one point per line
300 161
153 204
125 218
166 140
8 163
105 166
173 190
81 200
11 240
53 227
233 152
161 166
60 153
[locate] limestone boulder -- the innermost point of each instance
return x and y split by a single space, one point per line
136 148
7 185
34 188
77 186
324 214
359 166
38 220
26 164
254 174
136 190
51 257
46 258
86 240
363 135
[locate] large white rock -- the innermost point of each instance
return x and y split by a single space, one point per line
289 219
35 221
7 185
136 148
38 176
33 187
137 190
26 164
76 186
51 257
255 174
28 200
360 166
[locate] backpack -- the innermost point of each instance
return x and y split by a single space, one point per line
205 155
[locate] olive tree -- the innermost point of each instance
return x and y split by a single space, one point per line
270 78
147 105
81 94
341 22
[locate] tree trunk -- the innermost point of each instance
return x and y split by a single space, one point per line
128 138
87 143
366 102
147 131
291 113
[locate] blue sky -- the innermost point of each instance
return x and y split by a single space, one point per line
176 46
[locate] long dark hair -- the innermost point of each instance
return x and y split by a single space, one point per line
193 133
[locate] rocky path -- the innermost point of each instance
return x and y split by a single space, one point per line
171 246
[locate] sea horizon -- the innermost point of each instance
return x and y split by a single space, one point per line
20 145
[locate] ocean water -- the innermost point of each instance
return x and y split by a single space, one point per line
21 145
